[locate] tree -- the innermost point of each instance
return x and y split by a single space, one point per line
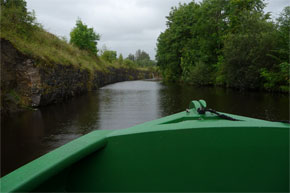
141 55
131 57
142 58
276 76
283 25
16 18
109 55
225 42
174 42
84 37
129 63
120 59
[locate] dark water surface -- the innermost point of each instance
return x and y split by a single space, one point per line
28 135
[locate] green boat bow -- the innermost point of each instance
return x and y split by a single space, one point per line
198 150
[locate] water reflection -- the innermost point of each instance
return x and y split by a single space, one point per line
28 135
268 106
129 103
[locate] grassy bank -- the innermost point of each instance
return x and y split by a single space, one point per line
20 27
38 68
48 49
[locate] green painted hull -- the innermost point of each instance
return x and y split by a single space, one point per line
184 152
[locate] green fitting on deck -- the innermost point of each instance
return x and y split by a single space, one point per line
197 104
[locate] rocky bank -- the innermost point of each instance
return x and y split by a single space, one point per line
26 83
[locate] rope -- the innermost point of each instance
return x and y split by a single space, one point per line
203 110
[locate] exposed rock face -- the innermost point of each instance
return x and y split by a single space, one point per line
20 80
24 83
29 82
118 75
61 82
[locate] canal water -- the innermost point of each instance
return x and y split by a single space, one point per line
28 135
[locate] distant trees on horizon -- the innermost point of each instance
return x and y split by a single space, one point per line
86 38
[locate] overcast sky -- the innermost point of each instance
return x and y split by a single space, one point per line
124 25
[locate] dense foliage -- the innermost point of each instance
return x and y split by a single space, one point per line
109 56
16 18
226 42
84 37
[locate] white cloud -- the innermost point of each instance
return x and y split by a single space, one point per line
124 25
276 6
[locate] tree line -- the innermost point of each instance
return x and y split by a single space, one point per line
231 43
86 38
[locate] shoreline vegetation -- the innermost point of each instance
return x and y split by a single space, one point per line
39 68
227 43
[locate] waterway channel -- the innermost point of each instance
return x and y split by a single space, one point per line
28 135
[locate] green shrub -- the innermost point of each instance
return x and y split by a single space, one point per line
84 38
109 56
277 80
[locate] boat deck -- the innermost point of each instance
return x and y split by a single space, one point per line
184 152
